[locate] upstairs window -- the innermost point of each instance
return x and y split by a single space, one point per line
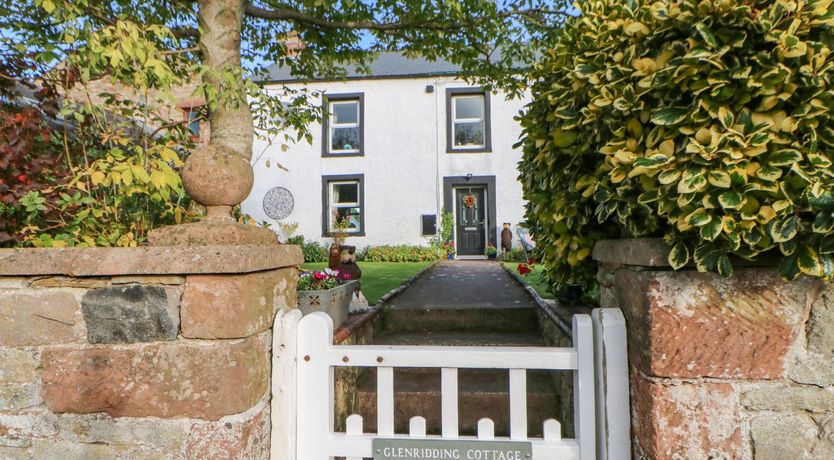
343 203
192 116
468 120
343 125
193 119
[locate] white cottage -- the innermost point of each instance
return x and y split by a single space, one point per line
399 145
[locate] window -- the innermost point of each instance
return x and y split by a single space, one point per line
343 131
468 128
192 117
343 202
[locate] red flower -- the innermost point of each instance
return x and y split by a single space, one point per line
524 269
319 275
345 276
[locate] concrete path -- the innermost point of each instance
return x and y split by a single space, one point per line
463 284
460 303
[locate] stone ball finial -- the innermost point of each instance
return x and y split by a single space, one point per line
218 178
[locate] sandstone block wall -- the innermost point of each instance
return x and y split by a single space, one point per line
128 355
739 368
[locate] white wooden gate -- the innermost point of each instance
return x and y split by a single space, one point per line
317 357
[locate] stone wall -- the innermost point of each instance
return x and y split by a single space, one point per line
158 353
739 368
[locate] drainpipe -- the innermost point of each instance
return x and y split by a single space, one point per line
438 188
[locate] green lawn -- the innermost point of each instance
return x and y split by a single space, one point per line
379 277
533 279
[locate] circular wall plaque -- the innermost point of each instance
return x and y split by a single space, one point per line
278 203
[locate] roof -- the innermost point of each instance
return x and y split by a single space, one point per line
388 64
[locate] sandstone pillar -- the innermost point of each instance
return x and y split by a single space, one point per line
722 368
154 352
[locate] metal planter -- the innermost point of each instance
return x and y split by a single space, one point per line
335 302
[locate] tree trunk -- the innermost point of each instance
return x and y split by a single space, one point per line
220 24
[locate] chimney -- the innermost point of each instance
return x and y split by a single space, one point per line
292 40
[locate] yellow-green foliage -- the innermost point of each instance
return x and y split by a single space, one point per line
706 122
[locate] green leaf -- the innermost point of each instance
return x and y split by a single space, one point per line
719 179
657 160
692 184
725 267
712 229
706 257
730 200
768 173
678 256
699 217
726 117
823 223
784 157
785 231
824 201
562 139
647 197
827 245
707 34
827 263
668 176
670 116
808 261
789 268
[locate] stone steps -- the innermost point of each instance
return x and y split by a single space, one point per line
482 393
439 319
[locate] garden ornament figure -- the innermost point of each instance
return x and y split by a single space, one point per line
506 238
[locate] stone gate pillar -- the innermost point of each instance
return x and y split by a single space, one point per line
722 368
154 352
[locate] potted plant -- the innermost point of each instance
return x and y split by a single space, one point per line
491 252
329 291
449 249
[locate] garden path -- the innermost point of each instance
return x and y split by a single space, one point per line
464 284
460 303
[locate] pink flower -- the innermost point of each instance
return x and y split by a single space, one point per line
345 276
319 275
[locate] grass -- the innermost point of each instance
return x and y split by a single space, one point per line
379 277
534 279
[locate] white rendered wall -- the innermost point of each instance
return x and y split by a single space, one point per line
404 162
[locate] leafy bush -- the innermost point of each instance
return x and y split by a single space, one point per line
313 251
401 253
706 122
514 255
444 232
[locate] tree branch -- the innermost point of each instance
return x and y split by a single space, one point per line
287 14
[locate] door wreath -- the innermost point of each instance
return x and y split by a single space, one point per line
470 200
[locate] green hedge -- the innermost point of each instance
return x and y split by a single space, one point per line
313 251
705 122
400 253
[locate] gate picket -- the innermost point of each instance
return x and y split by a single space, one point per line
317 358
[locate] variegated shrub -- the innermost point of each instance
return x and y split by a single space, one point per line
709 123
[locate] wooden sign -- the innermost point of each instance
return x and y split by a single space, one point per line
429 449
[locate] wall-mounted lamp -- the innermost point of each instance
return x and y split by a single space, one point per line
429 88
469 176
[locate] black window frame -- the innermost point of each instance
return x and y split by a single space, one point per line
325 125
325 202
450 95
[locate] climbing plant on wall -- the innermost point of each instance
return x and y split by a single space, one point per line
705 122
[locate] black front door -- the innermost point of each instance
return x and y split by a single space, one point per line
470 221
